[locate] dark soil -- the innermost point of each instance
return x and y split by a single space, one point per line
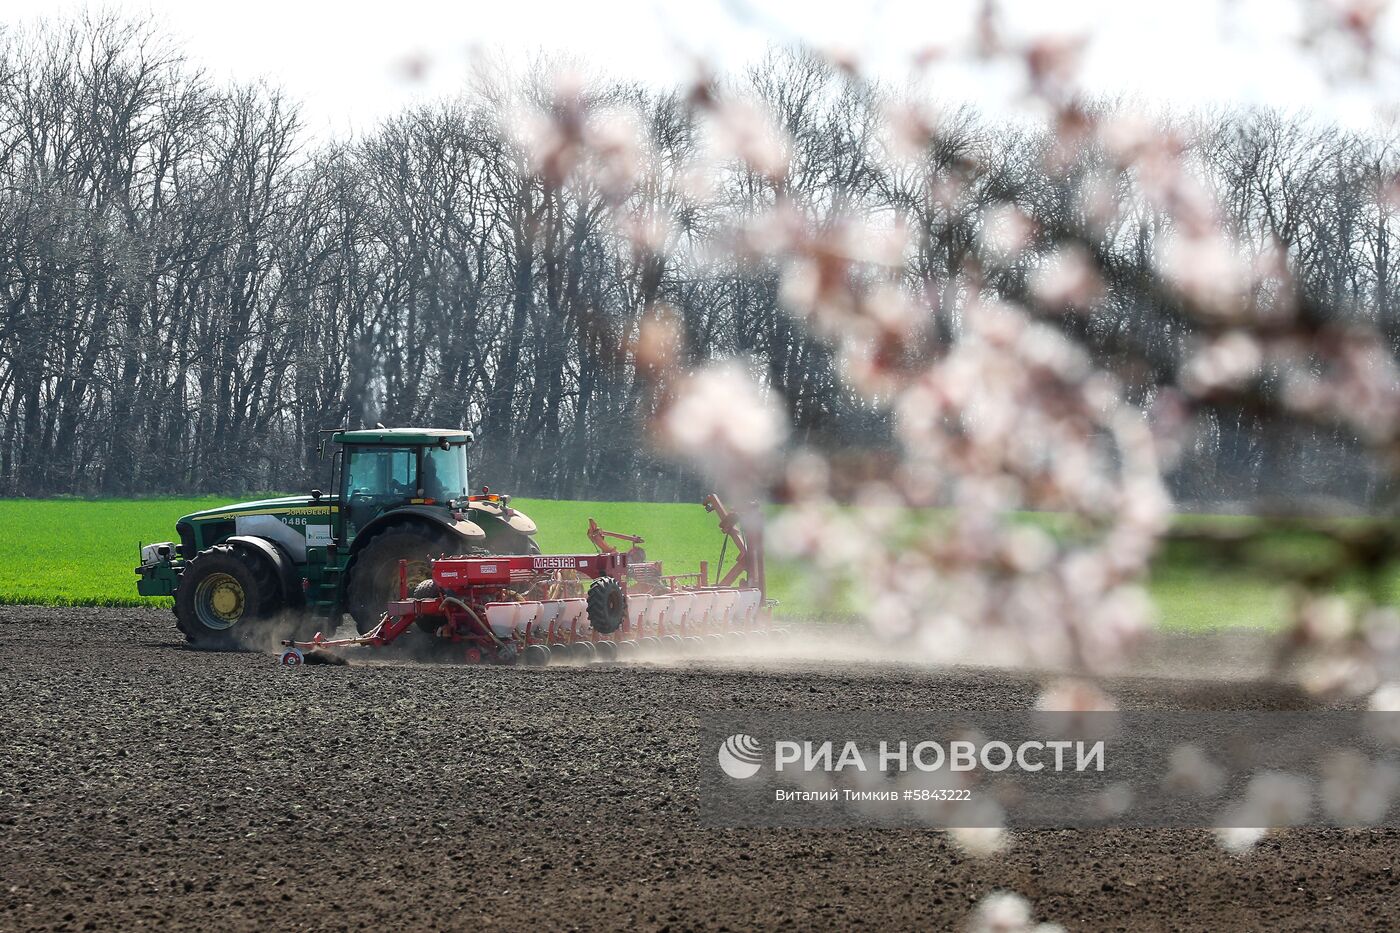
148 785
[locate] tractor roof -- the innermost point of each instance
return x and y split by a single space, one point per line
408 436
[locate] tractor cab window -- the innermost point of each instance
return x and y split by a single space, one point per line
381 472
445 472
377 478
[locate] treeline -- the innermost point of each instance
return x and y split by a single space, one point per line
193 287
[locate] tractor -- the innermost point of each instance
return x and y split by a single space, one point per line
245 575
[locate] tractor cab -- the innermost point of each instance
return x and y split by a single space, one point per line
385 469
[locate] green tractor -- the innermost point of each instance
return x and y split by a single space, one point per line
248 574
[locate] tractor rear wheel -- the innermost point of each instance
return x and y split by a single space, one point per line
374 577
224 596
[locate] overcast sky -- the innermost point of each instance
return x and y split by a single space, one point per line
344 59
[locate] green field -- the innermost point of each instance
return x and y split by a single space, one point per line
81 552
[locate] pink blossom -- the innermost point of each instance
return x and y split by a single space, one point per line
1190 771
1067 280
1005 232
1229 362
1001 912
743 130
724 422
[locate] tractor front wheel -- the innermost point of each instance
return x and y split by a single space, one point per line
223 596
